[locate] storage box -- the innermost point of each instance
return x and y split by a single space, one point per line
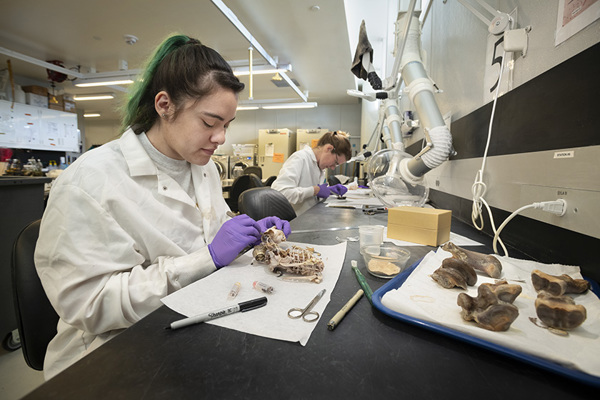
36 100
56 102
427 226
69 106
39 90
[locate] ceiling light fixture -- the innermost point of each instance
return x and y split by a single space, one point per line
289 105
91 115
246 108
104 82
97 96
261 70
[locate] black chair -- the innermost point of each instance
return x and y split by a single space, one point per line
332 180
253 169
239 185
36 318
270 180
263 202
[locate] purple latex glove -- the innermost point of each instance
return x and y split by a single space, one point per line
338 189
277 222
234 235
324 191
363 187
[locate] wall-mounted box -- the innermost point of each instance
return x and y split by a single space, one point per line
427 226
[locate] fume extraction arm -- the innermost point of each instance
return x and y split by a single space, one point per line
395 176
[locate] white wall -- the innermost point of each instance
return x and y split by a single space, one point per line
247 123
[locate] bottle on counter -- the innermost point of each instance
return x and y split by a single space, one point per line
63 163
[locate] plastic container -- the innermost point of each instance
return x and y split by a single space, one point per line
370 235
386 260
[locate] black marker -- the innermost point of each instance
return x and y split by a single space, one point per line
241 307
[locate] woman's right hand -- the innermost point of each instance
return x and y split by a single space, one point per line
234 235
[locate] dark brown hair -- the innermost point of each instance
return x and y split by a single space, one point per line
339 141
185 69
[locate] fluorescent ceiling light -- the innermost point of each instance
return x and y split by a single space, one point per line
289 105
242 108
91 115
97 82
261 70
98 96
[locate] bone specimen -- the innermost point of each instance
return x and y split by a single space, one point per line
559 312
558 285
294 260
506 292
487 310
485 263
454 273
383 267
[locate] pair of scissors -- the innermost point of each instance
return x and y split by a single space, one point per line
306 313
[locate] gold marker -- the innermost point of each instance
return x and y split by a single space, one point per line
337 318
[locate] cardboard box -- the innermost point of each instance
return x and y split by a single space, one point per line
39 90
56 102
36 100
69 106
427 226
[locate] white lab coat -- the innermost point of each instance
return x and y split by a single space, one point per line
297 178
116 237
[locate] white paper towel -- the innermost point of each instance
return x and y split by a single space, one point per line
421 297
272 320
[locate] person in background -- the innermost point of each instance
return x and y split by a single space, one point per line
143 216
302 176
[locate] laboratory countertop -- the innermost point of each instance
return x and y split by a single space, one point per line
368 356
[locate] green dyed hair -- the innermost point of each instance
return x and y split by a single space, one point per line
185 69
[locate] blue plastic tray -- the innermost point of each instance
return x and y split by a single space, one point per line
397 282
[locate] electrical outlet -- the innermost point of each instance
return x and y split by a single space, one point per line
583 207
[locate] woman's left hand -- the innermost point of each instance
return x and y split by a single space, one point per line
277 222
338 189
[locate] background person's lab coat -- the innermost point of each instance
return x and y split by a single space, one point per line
116 237
297 178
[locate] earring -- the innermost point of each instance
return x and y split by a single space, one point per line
164 115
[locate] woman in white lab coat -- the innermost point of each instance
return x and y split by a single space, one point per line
144 215
302 176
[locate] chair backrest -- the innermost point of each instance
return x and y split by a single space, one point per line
263 202
239 185
332 180
270 180
253 169
36 318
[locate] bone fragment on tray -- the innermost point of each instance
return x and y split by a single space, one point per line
557 285
559 312
454 273
506 292
293 260
485 263
487 310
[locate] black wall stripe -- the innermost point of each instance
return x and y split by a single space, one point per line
556 110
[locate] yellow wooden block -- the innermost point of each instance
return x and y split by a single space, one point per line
427 226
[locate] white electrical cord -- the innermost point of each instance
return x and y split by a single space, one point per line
557 207
479 188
